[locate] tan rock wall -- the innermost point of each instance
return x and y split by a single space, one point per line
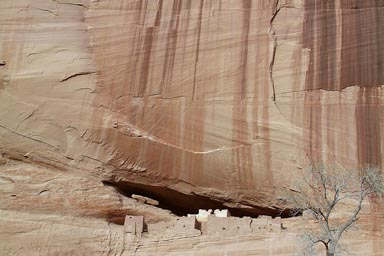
28 234
228 99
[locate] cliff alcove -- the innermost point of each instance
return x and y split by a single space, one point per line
182 204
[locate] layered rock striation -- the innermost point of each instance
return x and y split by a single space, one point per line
218 100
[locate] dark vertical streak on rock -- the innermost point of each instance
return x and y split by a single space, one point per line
199 21
362 66
362 47
132 68
171 45
368 119
272 34
322 17
328 45
314 130
147 52
244 49
185 30
320 37
308 42
243 162
260 109
379 43
159 13
247 154
376 207
347 74
312 99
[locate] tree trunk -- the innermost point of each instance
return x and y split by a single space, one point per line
330 252
330 249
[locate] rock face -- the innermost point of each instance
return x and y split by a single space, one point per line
214 101
54 235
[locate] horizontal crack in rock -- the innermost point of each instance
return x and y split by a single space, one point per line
66 78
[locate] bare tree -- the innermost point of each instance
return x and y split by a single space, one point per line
323 192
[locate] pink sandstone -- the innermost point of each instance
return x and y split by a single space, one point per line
215 101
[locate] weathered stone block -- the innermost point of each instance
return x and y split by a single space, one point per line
158 227
240 225
184 224
222 213
261 223
134 225
217 225
275 225
202 216
145 200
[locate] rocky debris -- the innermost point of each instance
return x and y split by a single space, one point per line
2 63
145 200
3 159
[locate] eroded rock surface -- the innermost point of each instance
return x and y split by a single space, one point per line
217 100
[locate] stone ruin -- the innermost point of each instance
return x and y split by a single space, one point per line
204 223
134 225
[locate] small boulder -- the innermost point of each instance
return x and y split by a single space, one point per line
145 200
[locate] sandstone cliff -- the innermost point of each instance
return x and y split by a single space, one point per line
197 104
